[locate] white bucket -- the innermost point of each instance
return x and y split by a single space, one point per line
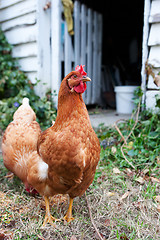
124 96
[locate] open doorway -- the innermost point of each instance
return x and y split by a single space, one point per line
122 45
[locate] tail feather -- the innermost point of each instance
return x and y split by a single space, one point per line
25 101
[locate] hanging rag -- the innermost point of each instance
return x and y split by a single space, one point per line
68 10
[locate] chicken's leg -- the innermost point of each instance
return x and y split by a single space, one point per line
48 217
68 217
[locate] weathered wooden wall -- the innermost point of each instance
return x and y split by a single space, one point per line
18 21
154 52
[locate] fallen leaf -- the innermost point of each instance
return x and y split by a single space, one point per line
140 180
5 235
116 171
146 171
110 194
157 80
129 172
107 222
73 238
158 160
154 180
158 208
124 196
157 198
114 149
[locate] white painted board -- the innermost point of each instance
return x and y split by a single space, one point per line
28 64
25 50
154 56
154 35
28 19
151 100
18 9
155 12
22 35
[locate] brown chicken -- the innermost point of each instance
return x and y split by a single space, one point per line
69 151
19 141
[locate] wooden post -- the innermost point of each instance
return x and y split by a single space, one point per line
77 32
56 46
145 46
44 47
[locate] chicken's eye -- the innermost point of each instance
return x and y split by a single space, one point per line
75 76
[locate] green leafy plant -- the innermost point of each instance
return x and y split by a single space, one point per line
14 86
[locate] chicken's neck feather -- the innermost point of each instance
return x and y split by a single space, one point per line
68 103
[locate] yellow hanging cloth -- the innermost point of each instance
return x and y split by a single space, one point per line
68 10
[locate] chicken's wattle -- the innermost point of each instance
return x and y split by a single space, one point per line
80 88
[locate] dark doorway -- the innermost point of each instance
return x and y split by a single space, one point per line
122 44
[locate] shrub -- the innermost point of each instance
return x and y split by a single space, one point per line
15 85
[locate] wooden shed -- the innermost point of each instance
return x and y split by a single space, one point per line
45 49
114 41
151 51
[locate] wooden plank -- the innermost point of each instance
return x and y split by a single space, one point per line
25 50
28 19
95 46
67 52
44 47
28 64
8 3
154 56
77 32
22 35
151 100
154 37
155 12
99 56
89 56
147 4
83 41
17 10
151 84
56 45
32 76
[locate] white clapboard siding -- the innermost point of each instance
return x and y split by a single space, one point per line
154 56
151 100
155 12
28 19
25 50
32 76
28 64
151 84
22 35
19 9
154 35
8 3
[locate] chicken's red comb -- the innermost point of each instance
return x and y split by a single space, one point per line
81 70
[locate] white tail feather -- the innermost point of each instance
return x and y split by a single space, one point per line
25 101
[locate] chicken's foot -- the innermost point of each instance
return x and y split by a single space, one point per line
48 217
68 217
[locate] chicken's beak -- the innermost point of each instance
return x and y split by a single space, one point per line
86 79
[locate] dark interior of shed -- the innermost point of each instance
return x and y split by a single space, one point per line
122 44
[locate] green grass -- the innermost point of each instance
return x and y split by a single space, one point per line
121 206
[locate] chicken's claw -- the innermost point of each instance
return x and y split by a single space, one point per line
48 217
68 217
